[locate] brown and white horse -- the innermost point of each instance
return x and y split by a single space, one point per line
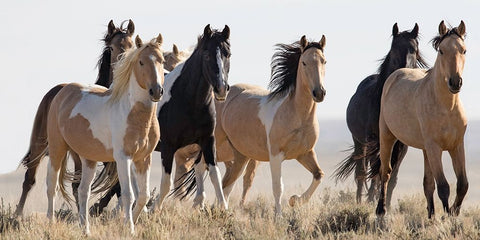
423 109
105 125
254 123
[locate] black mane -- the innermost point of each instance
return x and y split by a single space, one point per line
284 68
438 39
104 62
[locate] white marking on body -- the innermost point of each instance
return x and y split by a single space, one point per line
220 65
267 112
410 60
167 85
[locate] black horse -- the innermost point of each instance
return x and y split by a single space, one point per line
187 111
363 112
117 40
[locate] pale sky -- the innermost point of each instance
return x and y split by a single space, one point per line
44 43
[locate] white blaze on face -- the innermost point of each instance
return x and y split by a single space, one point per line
411 58
154 59
220 66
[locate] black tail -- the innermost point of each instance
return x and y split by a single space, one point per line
373 154
345 168
189 182
106 179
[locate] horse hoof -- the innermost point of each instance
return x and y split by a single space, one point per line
295 199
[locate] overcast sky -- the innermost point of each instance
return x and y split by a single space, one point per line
44 43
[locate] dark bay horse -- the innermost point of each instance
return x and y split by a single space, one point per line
363 111
423 110
187 111
117 40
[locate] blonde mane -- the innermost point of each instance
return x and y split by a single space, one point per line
123 70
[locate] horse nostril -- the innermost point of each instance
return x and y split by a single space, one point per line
150 92
161 91
228 87
314 94
460 82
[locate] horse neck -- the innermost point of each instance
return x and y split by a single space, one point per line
301 100
197 90
440 89
388 66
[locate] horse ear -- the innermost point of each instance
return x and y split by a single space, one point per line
226 32
461 29
138 42
322 42
442 29
414 32
175 50
159 39
130 27
111 27
395 29
207 31
303 42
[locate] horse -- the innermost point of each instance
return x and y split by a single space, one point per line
173 58
363 111
187 112
254 123
422 109
109 125
117 40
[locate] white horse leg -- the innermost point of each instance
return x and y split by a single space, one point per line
124 177
164 188
52 180
84 189
217 184
143 174
200 169
309 161
277 183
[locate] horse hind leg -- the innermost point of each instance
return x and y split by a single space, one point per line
309 161
29 180
58 153
360 168
76 182
458 161
248 179
428 185
84 190
398 154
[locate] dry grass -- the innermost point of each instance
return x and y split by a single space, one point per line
333 215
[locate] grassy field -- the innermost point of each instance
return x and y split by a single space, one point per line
330 215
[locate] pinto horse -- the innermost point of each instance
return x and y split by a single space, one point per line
363 111
423 109
109 125
187 112
117 40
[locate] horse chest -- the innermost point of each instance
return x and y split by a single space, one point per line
142 132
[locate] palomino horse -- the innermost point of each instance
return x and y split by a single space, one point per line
188 106
273 126
105 125
363 111
173 58
423 109
117 40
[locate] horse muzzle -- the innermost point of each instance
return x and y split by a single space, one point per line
221 92
455 84
156 93
318 94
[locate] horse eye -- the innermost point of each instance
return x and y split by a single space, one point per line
141 63
440 51
464 51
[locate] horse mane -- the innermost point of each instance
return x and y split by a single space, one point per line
284 68
438 39
104 61
124 69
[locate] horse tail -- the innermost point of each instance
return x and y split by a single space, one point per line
398 153
38 139
106 179
66 176
346 167
373 157
189 183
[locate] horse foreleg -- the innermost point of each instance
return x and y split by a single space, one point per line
277 183
458 161
248 179
88 174
209 152
166 182
309 161
428 185
142 169
124 177
200 169
434 156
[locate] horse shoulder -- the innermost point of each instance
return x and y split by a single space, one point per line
142 130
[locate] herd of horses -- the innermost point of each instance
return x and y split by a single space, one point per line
179 103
